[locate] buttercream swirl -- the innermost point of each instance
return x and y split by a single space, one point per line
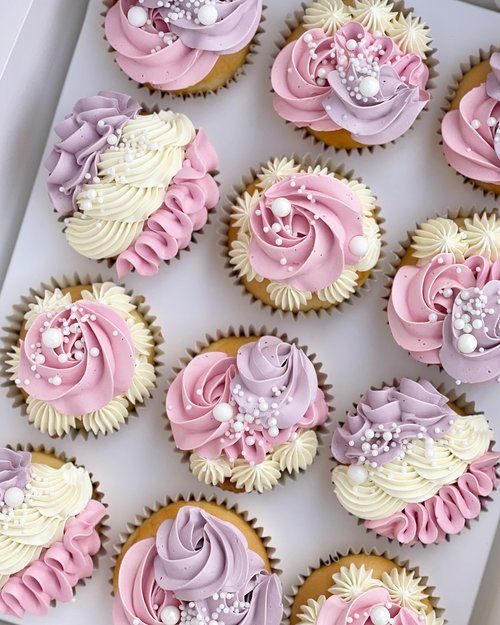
14 469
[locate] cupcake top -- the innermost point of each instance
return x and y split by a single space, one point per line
48 520
174 45
85 356
246 419
358 67
446 308
471 132
307 235
197 566
133 186
411 465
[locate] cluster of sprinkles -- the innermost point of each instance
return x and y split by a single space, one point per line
491 122
192 614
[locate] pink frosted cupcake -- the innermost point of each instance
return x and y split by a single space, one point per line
414 465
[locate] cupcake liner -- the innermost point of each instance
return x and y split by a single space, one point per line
331 559
12 331
223 230
466 407
456 79
102 527
148 511
241 71
241 331
294 20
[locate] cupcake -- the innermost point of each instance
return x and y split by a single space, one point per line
80 357
301 236
444 305
414 466
471 127
247 410
196 561
353 74
181 46
363 588
51 529
132 186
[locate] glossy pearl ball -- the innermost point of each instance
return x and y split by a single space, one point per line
351 44
358 245
208 14
369 86
223 412
379 615
281 207
467 343
52 338
273 431
137 16
357 474
170 615
13 497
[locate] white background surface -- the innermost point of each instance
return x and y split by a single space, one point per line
194 295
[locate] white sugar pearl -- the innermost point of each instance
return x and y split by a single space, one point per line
137 16
477 324
78 355
208 14
459 324
475 123
94 351
369 434
238 426
467 343
223 412
112 139
380 615
170 615
62 358
40 359
56 380
369 86
273 431
357 474
351 44
13 497
52 337
358 245
491 121
433 317
281 207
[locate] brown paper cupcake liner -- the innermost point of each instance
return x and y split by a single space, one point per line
290 618
294 20
11 332
102 527
240 72
241 332
464 406
148 511
456 79
225 221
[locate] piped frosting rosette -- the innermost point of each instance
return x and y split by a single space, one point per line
411 466
361 68
82 358
200 560
246 411
446 308
302 237
133 186
177 45
50 530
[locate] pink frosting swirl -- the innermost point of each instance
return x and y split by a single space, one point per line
310 247
54 576
192 193
446 513
471 132
15 469
92 360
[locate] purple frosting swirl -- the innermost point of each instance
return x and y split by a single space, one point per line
83 137
14 469
275 380
378 429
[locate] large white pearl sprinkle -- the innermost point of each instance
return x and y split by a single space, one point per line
379 615
369 86
223 412
357 474
13 497
358 245
281 207
137 16
351 44
208 14
467 343
52 338
170 615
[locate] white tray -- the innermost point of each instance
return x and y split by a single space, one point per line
137 465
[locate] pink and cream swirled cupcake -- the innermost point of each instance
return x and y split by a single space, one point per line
247 410
51 529
365 588
80 356
414 464
301 235
353 73
471 127
444 304
132 186
196 561
184 47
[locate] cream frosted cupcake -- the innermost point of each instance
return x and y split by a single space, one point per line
353 73
132 186
366 588
247 411
444 305
414 466
81 357
301 236
51 529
